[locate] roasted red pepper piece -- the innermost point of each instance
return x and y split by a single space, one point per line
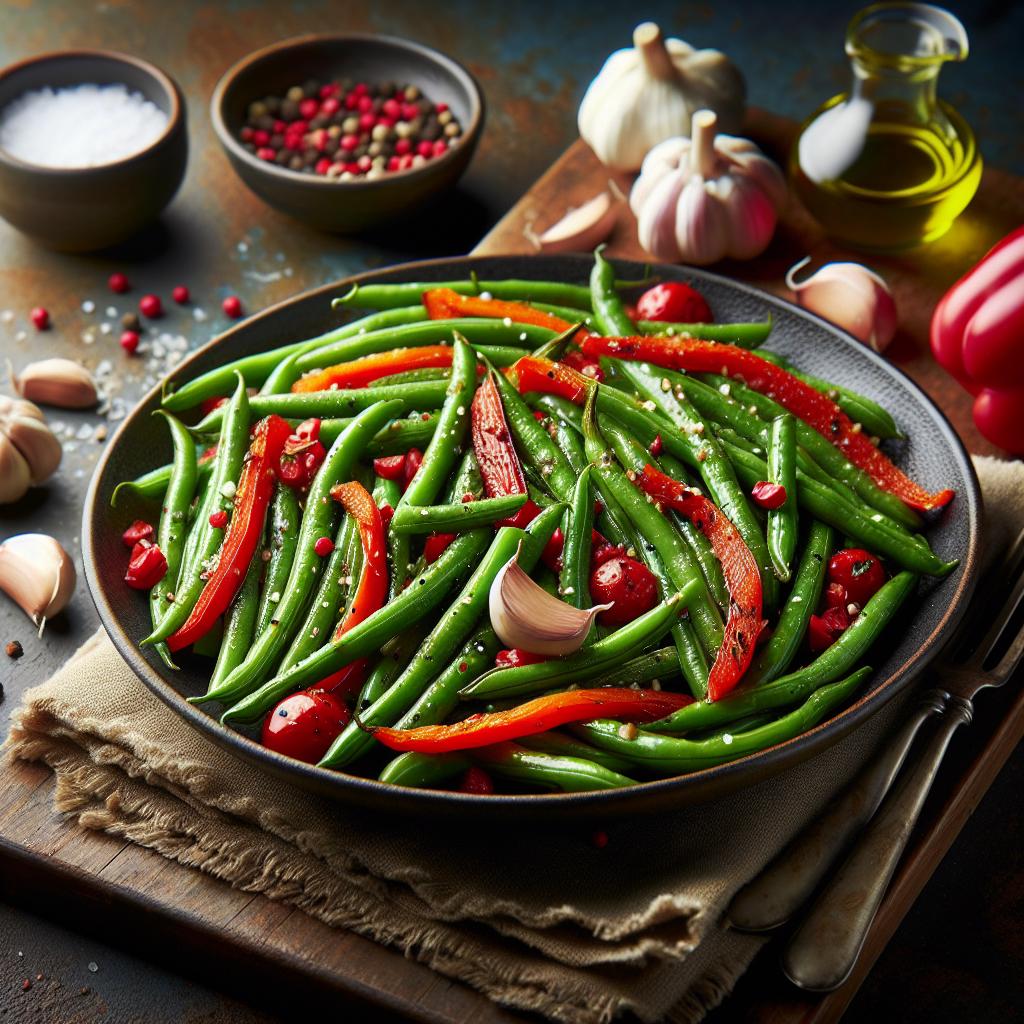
768 495
743 624
627 585
252 496
139 530
538 715
360 372
500 468
147 566
302 455
389 467
532 373
800 399
434 546
444 304
373 583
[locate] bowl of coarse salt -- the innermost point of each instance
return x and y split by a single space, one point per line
93 145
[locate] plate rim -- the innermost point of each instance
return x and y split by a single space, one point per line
707 782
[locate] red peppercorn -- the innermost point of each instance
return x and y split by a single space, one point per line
440 147
146 567
425 149
118 282
139 530
151 306
351 101
309 108
219 519
266 153
40 317
406 162
768 495
364 163
392 108
599 839
410 111
361 89
435 546
260 137
349 142
365 105
246 135
279 127
331 89
180 295
440 108
323 546
366 122
655 446
403 146
476 780
232 307
129 341
323 165
330 106
394 163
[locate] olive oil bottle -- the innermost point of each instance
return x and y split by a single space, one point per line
888 165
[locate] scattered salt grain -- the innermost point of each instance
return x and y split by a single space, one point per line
88 306
81 126
112 312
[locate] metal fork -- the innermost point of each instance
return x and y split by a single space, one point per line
826 944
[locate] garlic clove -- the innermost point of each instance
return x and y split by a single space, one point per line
583 228
38 445
527 617
58 382
852 297
38 574
15 476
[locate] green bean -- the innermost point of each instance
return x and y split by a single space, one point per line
832 664
466 480
866 411
231 448
669 755
387 296
239 624
549 771
560 745
558 408
782 521
445 639
282 537
741 335
418 599
424 771
394 657
307 566
626 642
609 312
173 527
414 376
455 518
777 655
575 578
341 402
653 666
554 347
569 313
397 437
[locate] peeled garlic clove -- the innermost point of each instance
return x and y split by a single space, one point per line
38 574
15 476
852 297
582 229
526 616
37 444
58 382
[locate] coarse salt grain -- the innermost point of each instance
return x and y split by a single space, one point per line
82 126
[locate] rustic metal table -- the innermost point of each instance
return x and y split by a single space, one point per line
959 951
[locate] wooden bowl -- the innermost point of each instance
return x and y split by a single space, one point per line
327 203
82 208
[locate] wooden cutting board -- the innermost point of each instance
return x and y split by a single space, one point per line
132 895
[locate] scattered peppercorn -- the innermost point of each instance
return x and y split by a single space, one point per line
40 317
150 306
129 341
232 307
14 649
118 283
131 322
219 519
323 546
25 985
599 839
180 295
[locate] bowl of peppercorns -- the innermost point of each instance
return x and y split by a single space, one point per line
348 132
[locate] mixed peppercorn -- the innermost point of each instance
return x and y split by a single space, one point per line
345 130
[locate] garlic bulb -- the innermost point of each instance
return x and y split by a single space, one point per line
526 616
38 574
706 198
59 382
851 296
647 93
582 229
29 451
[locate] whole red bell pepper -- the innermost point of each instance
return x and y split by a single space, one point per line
977 335
814 408
359 372
444 304
743 624
252 496
537 715
500 468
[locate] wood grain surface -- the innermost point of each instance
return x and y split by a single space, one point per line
255 939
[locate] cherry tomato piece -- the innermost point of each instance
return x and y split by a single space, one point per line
389 467
435 546
858 571
835 596
516 657
768 495
626 583
305 724
675 302
147 566
825 629
413 458
139 530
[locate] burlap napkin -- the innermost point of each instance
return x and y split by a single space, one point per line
540 920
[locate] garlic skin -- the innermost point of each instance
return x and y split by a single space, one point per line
527 617
702 199
38 574
647 93
58 382
29 451
851 296
581 229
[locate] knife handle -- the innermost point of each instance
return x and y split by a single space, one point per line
776 894
824 949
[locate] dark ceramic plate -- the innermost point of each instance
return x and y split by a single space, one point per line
933 455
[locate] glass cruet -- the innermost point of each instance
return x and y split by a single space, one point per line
888 165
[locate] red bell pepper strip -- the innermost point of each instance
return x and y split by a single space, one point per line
373 583
360 372
500 468
743 624
538 715
255 487
444 304
535 374
800 399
